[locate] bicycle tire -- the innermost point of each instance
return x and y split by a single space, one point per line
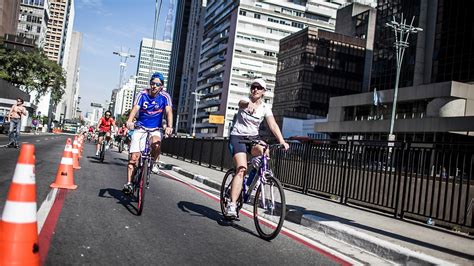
142 187
225 194
102 152
120 147
269 220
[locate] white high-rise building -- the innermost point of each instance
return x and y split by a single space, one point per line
68 105
124 97
159 53
240 43
33 20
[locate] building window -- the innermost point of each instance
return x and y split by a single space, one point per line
256 15
243 12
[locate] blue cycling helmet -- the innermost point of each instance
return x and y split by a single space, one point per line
159 76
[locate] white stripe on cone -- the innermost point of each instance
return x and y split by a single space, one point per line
19 212
24 174
75 151
66 161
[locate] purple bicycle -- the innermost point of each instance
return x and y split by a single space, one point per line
269 207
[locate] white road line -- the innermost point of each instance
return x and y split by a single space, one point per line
45 208
287 231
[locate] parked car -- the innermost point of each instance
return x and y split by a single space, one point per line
4 125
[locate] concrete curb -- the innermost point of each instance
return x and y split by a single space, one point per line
337 230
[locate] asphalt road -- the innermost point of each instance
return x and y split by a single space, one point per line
48 153
179 224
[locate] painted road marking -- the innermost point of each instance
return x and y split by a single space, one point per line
324 250
46 207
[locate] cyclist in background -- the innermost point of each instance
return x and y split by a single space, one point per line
104 126
252 111
122 134
150 105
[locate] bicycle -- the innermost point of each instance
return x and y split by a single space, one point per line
120 144
141 173
269 207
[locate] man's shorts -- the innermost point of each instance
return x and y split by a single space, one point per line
102 133
139 139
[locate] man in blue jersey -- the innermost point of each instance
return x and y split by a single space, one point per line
150 105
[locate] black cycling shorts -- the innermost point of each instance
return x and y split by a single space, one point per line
235 146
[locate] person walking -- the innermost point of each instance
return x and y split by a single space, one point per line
14 116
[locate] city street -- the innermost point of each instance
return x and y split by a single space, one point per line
180 224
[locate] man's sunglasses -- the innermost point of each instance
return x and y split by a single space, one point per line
158 84
256 87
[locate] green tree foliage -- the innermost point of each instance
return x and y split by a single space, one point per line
33 71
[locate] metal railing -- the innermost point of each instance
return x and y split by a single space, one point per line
406 179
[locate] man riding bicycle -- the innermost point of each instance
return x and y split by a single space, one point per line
122 134
150 105
105 126
252 111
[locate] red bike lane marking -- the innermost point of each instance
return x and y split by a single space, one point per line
47 231
284 231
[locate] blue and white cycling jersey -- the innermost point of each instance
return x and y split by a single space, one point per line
151 111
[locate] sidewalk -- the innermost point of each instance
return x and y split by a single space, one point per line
400 241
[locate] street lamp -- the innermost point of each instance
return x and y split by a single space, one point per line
196 101
402 32
123 64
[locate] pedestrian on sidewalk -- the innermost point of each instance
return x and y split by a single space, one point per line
14 116
252 111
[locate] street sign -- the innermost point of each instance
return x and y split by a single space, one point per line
216 119
96 105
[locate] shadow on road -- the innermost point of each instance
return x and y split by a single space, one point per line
203 211
122 199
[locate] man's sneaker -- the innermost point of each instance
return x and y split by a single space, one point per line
127 188
155 169
231 210
97 153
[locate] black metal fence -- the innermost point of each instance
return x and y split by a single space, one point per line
408 180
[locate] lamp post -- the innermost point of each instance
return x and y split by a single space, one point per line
402 32
196 101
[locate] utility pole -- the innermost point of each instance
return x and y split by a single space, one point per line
402 32
123 64
197 98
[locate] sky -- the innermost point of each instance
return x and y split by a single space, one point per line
108 26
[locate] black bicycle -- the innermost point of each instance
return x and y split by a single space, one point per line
102 150
269 206
141 173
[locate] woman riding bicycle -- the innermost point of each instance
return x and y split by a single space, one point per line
252 111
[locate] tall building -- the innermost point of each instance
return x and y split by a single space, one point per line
124 97
68 105
314 65
241 42
9 11
190 63
153 57
33 20
59 32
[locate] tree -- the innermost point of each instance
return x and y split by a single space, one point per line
33 71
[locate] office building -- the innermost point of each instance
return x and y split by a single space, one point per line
33 20
124 97
189 65
69 103
314 65
9 11
241 42
59 32
153 57
443 51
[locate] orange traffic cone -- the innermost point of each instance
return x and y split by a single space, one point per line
18 226
65 176
79 147
75 155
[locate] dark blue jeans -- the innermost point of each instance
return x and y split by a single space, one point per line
14 132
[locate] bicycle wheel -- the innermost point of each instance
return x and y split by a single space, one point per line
225 194
102 152
120 147
269 208
142 186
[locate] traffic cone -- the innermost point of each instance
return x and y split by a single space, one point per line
65 176
75 155
79 147
18 226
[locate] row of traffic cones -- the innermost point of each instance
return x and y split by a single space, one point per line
18 224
